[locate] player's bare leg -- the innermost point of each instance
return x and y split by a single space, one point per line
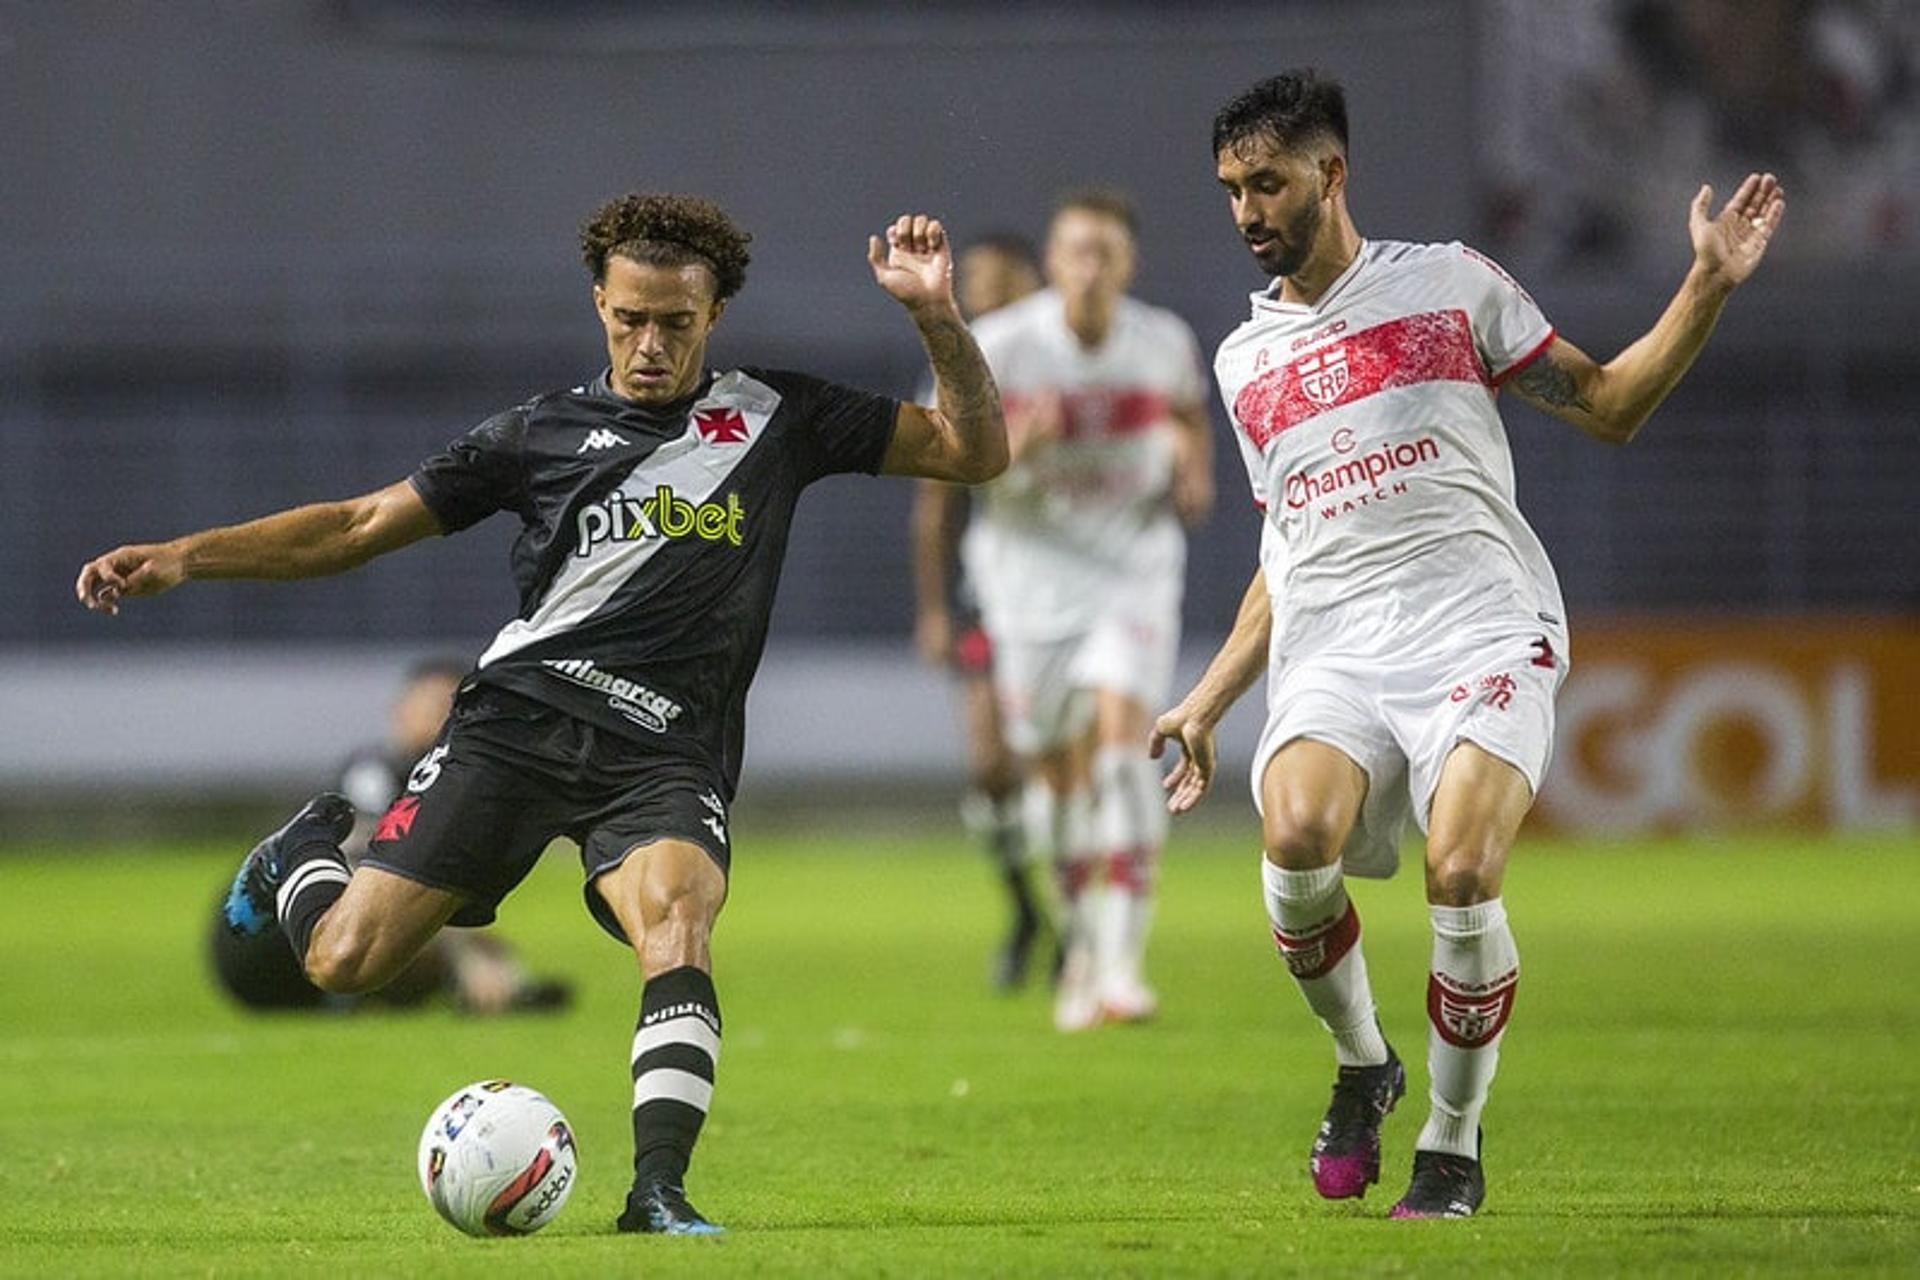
994 812
351 931
666 896
1133 826
1477 810
1311 797
375 930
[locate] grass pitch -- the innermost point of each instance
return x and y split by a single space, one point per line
1714 1068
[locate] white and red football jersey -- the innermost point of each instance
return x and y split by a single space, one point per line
1368 426
1073 522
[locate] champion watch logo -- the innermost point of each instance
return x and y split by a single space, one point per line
720 426
601 438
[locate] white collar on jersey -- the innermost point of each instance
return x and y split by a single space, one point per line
1268 299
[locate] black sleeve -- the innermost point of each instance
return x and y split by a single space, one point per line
838 429
476 475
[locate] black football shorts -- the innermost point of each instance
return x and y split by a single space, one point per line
510 774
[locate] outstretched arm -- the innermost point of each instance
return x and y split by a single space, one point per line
305 542
1610 401
965 438
1190 725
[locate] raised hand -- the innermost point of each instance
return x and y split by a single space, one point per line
914 262
128 571
1730 246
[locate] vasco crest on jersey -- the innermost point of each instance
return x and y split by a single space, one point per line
721 424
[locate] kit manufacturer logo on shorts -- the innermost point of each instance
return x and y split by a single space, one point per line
716 823
650 710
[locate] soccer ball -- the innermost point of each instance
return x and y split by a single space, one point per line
497 1159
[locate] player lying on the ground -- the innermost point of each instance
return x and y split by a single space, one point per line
477 970
1416 631
990 273
654 503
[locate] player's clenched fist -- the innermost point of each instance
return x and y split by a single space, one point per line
128 571
914 261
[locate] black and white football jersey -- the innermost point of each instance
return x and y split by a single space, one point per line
651 541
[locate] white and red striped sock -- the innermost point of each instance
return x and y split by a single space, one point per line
1132 828
1476 968
1318 933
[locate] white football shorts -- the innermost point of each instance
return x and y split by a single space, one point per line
1046 687
1400 721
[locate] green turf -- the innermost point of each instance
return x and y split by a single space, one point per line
1714 1069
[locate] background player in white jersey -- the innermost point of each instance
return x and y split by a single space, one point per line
1078 558
996 269
1416 629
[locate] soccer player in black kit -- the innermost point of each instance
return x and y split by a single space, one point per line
654 502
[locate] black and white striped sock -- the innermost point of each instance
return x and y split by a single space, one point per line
313 883
675 1051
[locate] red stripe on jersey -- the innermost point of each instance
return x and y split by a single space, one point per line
1093 413
1434 346
1526 359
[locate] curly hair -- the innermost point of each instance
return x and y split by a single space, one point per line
1295 110
667 231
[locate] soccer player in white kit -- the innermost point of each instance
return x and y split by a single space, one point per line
1408 618
1078 558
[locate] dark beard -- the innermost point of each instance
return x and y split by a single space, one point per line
1297 242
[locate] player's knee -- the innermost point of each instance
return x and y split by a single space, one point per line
683 905
1460 877
1303 836
678 911
997 775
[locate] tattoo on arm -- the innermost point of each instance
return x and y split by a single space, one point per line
967 395
968 398
1548 384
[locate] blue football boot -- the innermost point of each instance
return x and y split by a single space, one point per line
661 1208
249 908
